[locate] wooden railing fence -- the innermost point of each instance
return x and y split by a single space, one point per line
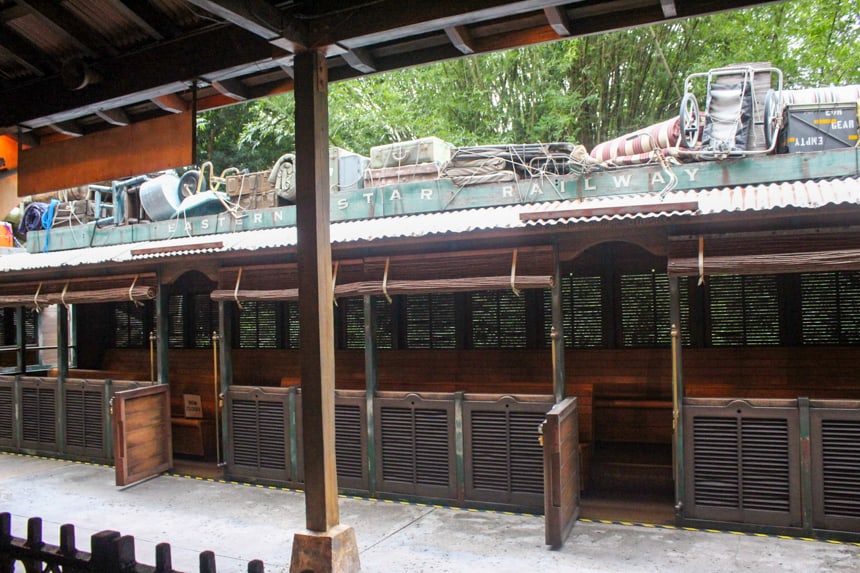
112 552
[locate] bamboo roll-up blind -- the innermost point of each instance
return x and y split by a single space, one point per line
442 285
244 295
394 288
820 261
802 250
135 294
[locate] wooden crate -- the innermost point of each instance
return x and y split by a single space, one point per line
252 191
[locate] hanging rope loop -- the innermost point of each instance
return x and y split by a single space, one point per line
385 281
701 260
236 290
36 298
334 281
514 275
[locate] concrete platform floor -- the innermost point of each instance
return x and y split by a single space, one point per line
241 523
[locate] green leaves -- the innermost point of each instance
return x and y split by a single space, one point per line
584 90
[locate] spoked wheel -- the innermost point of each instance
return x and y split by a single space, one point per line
772 118
188 184
689 121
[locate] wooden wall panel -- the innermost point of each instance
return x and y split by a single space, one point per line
143 147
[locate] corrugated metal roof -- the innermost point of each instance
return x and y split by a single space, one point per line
765 197
802 195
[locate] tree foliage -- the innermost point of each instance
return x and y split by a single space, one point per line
584 90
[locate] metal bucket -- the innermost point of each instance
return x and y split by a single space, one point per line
160 196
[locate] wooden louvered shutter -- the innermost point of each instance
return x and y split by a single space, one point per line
830 308
835 442
498 320
85 420
39 414
259 435
743 310
503 456
415 442
7 411
176 321
743 463
354 322
350 444
430 321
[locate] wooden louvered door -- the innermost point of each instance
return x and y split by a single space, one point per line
259 435
141 428
39 414
835 445
85 418
502 452
561 471
415 446
7 411
742 461
350 424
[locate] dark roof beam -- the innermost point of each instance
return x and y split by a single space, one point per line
154 22
258 17
360 59
159 70
558 20
82 36
27 54
232 88
13 12
415 17
461 39
115 117
670 8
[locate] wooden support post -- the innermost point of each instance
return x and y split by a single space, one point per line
370 385
677 394
161 334
327 545
557 332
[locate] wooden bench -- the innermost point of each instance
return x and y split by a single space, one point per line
193 437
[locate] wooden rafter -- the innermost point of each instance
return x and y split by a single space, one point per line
160 69
461 38
669 7
360 59
156 23
82 36
114 116
557 18
258 17
231 88
171 103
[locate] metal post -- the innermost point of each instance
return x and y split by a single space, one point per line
805 465
161 334
62 372
557 332
21 339
677 394
370 383
225 325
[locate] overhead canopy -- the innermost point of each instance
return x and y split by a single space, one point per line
75 67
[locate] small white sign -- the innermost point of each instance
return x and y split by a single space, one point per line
193 406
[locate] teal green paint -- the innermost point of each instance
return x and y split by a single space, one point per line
108 419
294 439
442 195
459 447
